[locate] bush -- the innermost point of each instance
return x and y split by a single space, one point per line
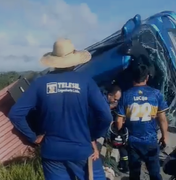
28 169
7 78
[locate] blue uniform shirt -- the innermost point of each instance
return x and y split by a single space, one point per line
106 99
140 106
63 101
94 126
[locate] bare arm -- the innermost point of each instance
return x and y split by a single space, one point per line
120 121
94 145
121 113
163 124
95 155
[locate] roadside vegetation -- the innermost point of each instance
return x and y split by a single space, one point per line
23 168
7 78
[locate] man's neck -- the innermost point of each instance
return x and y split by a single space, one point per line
139 84
61 70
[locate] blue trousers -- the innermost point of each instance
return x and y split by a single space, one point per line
69 170
138 152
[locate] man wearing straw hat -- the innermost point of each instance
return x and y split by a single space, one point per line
63 99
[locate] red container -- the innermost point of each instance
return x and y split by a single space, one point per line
12 143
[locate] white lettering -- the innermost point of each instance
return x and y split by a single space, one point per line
140 98
62 87
69 85
143 111
76 86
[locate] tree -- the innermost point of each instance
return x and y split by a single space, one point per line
8 78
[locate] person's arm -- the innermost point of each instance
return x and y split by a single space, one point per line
120 113
120 121
161 116
94 146
95 154
163 124
20 110
100 109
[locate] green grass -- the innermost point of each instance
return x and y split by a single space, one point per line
22 169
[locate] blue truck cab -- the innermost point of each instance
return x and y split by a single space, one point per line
157 34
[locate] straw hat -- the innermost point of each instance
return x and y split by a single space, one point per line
64 55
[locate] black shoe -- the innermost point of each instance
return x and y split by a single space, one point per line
123 169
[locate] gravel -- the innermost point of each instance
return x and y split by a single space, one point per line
144 173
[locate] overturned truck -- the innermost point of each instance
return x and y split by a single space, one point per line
112 59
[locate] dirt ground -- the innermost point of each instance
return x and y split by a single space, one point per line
144 174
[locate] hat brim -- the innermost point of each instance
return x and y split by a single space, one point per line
74 59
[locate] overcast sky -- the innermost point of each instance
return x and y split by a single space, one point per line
28 28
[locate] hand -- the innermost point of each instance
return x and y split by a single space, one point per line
163 142
95 155
39 139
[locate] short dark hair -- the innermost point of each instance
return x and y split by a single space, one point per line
113 89
140 73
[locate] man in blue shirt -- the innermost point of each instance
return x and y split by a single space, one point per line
112 95
141 108
63 100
